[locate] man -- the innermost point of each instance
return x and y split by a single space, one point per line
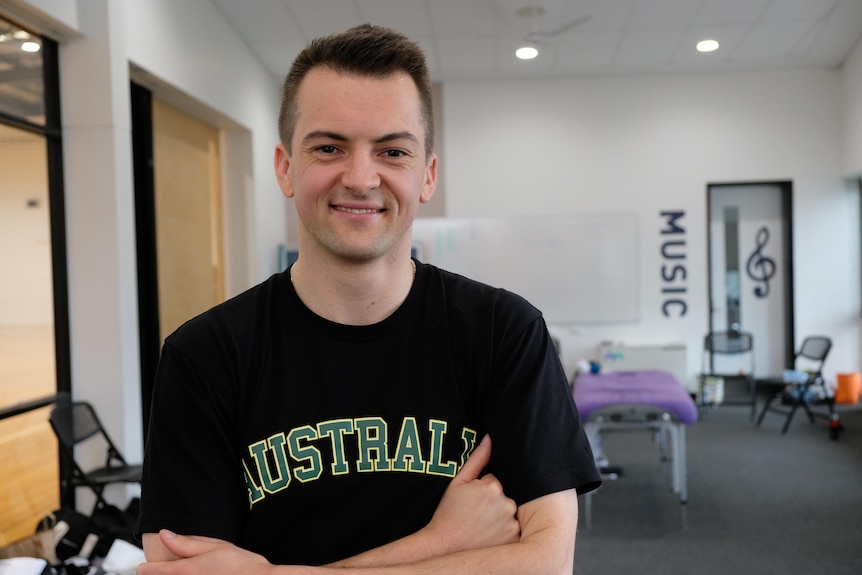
324 419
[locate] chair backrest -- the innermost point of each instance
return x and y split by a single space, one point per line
728 342
815 348
75 422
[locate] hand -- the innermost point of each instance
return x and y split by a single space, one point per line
474 512
205 556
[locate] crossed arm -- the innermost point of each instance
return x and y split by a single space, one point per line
475 529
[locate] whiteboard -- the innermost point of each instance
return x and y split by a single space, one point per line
575 269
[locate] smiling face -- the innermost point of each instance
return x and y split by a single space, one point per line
357 168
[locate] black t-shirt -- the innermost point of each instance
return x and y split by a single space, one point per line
309 441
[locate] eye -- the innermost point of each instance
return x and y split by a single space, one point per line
327 149
395 153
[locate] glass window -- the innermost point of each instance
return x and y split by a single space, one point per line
21 81
27 357
27 369
31 287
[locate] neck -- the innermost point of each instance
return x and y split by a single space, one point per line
353 293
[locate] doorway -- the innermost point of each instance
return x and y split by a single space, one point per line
188 216
750 270
178 211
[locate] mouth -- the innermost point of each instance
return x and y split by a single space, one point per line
358 211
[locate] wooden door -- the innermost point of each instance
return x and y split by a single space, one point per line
189 251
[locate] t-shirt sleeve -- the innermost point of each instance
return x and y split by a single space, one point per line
539 445
191 443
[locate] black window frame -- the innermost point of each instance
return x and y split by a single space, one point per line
52 132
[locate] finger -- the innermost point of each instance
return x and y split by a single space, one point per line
185 546
491 479
477 461
491 482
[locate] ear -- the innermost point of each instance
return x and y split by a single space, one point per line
282 170
430 183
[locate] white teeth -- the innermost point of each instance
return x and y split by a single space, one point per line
355 210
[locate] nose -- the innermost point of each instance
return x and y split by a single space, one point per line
360 173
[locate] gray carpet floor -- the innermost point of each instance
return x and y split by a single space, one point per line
759 501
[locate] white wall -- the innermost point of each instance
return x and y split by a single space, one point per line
197 53
54 18
853 112
853 136
647 144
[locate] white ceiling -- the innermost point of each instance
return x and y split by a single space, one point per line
471 39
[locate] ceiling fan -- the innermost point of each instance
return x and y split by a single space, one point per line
535 37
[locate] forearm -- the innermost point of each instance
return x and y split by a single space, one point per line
546 547
549 554
410 549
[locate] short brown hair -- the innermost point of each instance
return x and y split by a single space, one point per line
363 50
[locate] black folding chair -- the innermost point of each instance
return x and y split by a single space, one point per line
727 343
74 423
808 390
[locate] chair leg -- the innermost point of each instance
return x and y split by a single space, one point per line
752 387
765 408
97 490
810 414
790 417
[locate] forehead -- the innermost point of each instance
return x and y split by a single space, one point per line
326 95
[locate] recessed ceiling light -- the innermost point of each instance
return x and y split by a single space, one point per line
526 52
707 46
31 47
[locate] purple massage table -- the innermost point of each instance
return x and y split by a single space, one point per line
647 399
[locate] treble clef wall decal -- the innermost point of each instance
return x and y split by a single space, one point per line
761 268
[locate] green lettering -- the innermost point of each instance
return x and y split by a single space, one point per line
258 452
254 492
309 453
435 467
372 438
409 448
469 437
336 429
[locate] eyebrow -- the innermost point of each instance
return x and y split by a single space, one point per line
317 134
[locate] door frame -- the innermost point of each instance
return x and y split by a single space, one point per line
149 340
786 194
